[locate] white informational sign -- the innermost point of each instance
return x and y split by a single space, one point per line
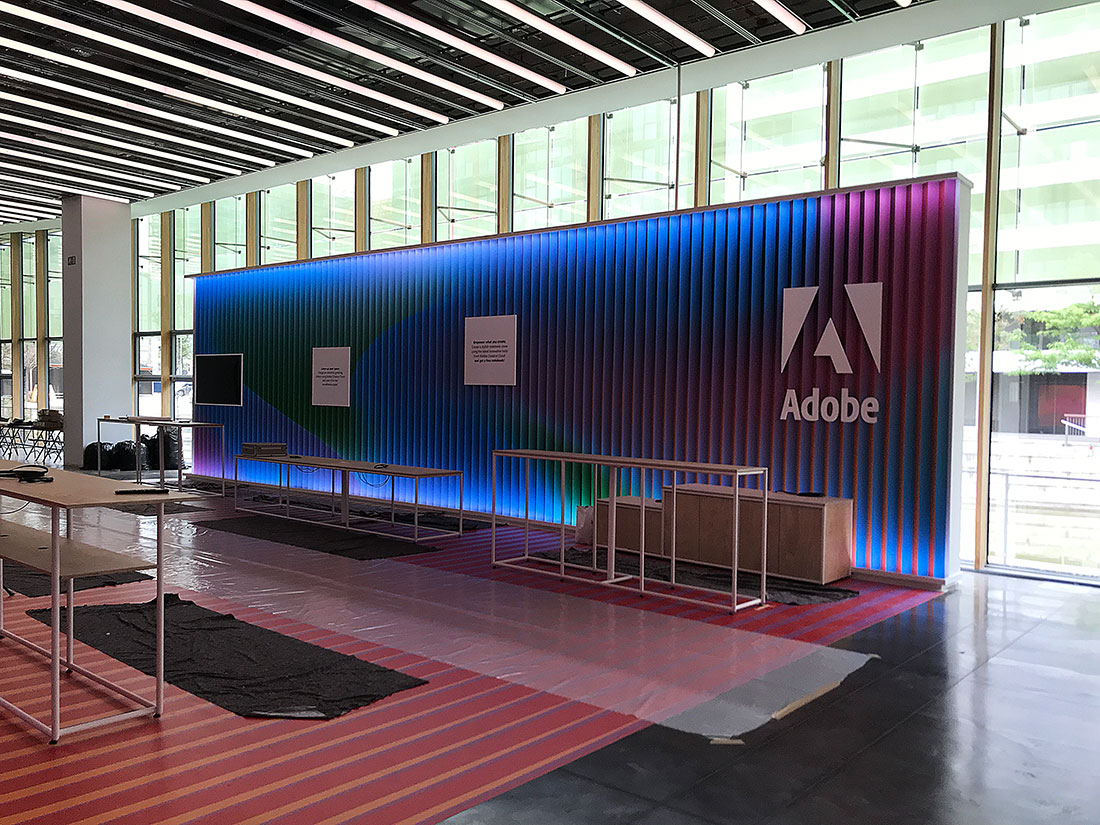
331 376
491 350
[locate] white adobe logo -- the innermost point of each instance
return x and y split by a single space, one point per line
866 301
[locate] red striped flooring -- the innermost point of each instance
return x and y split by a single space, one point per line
416 757
819 623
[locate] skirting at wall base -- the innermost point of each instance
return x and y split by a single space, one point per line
906 579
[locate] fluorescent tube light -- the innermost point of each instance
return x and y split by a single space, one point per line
903 3
48 173
61 188
23 209
170 92
22 196
52 128
129 127
88 153
421 27
194 68
782 14
561 35
273 59
96 170
362 51
669 25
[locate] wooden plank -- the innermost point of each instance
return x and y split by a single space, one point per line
31 548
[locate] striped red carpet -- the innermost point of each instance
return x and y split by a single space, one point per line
416 757
412 759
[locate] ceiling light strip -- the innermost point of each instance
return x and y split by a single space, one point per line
422 27
61 188
23 196
88 153
273 59
354 48
129 127
194 68
49 173
783 15
30 210
95 170
669 25
76 134
149 85
561 35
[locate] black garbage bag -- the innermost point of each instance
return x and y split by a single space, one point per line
95 452
171 449
123 458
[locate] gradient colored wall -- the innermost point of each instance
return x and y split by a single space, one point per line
655 337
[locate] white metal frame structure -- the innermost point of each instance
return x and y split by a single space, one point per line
138 422
66 560
614 465
345 468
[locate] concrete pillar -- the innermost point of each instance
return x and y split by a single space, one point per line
97 310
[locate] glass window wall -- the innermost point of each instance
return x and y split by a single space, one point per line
466 191
332 210
147 269
640 160
230 231
394 204
550 176
920 109
279 224
768 136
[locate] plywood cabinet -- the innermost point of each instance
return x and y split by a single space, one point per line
809 538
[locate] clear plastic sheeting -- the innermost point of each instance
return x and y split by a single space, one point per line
694 676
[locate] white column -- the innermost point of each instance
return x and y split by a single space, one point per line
97 314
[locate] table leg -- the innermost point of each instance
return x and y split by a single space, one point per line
561 556
55 625
69 634
137 452
733 542
527 508
1 594
641 531
612 507
221 428
416 510
493 511
160 611
345 479
393 497
235 485
98 447
764 539
460 503
160 452
672 542
332 497
179 457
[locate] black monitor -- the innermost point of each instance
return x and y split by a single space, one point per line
219 379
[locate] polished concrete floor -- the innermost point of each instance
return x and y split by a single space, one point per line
983 706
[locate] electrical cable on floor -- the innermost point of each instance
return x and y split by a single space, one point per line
16 510
385 480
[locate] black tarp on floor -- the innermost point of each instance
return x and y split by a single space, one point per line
249 670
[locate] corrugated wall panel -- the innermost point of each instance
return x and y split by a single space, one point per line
653 337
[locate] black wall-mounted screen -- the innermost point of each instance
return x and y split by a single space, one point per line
219 379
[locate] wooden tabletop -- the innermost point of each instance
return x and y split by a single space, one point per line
369 467
76 490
